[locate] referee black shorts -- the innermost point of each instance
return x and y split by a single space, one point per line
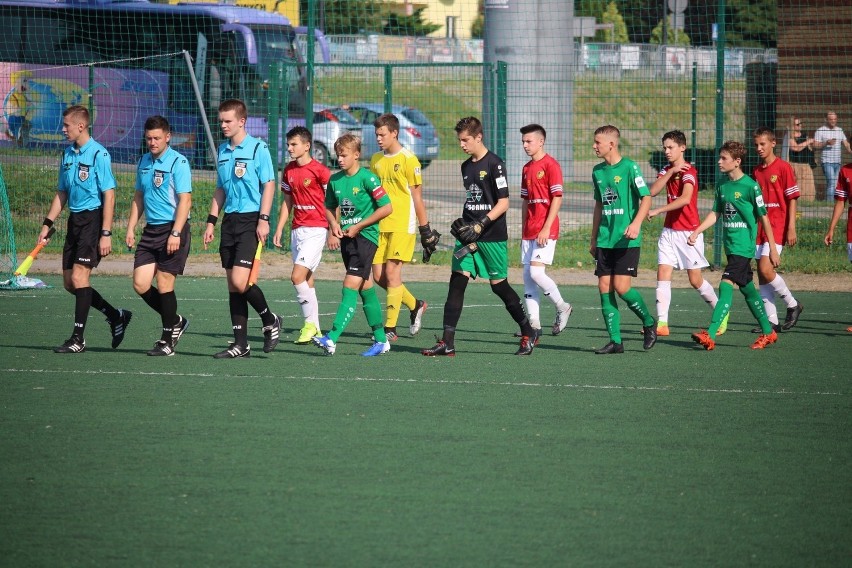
617 261
738 270
358 254
82 239
239 240
152 248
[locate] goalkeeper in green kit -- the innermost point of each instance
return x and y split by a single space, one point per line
740 202
481 234
622 202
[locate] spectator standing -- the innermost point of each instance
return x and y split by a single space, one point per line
829 139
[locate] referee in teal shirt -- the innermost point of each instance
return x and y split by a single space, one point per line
244 193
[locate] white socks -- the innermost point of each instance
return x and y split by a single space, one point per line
664 299
707 293
307 298
768 291
536 278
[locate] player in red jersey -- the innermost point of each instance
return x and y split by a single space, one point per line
680 180
841 199
541 194
780 192
303 182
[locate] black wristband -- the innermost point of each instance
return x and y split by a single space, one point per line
485 221
425 229
212 219
47 223
263 217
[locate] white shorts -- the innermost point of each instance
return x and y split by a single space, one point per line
674 250
763 250
306 245
532 252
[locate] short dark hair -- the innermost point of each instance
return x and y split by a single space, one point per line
388 119
676 136
530 128
235 105
348 140
734 149
469 124
157 122
302 133
764 131
77 111
609 130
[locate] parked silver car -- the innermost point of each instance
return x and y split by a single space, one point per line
330 123
415 131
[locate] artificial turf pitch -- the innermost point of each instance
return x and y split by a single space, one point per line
672 457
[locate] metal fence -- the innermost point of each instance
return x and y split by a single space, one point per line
605 60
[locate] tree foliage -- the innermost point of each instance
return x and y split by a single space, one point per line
612 16
673 36
342 17
477 28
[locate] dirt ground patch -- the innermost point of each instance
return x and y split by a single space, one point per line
278 266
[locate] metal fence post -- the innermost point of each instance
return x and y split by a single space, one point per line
501 109
720 119
388 87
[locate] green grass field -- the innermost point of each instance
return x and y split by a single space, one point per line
672 457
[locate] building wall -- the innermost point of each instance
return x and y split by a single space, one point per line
465 12
814 67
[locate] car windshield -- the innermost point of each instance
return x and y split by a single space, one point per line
416 117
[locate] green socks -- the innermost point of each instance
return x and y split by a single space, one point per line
612 318
373 311
723 306
755 304
344 313
637 306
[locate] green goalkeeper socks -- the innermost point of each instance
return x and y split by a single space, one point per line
612 318
344 313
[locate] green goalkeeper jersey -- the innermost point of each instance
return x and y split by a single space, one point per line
740 205
358 197
619 188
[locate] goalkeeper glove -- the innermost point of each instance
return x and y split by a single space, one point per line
429 238
470 232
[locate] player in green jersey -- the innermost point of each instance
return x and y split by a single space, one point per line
622 202
354 203
740 202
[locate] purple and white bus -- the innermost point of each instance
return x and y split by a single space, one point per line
127 57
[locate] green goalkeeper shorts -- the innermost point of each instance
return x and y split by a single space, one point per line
491 260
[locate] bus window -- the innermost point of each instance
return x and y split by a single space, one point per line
11 44
47 39
273 46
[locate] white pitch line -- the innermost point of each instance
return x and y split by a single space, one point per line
638 388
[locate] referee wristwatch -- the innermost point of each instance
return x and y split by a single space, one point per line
264 217
106 233
175 234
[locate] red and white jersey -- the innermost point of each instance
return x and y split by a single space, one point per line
306 186
686 218
541 180
842 193
778 184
